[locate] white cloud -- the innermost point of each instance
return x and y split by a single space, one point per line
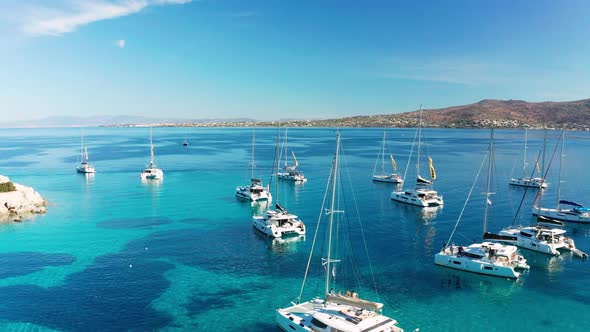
121 43
56 21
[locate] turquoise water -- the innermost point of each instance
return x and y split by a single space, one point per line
115 254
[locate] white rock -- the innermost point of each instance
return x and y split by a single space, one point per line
24 200
4 179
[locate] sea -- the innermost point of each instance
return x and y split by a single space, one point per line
115 254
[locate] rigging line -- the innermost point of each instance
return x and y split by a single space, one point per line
275 162
316 230
468 196
360 224
409 159
526 189
540 193
378 155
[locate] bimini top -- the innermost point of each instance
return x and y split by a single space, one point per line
571 203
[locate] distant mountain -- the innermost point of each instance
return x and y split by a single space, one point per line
95 121
484 114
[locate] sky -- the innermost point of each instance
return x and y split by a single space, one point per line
278 59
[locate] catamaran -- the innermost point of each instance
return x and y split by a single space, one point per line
422 195
255 191
152 172
383 176
84 166
333 312
540 237
527 181
487 258
565 210
278 223
290 172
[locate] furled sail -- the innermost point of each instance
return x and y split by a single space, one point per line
85 159
393 164
294 158
358 303
151 153
432 171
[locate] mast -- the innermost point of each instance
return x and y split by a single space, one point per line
383 155
252 157
335 181
487 203
286 149
524 155
542 173
82 145
151 148
560 166
419 139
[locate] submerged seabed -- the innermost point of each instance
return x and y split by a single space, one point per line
115 254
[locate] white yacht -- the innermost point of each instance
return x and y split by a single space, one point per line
152 172
290 172
279 223
385 176
333 312
423 195
565 210
536 238
487 258
525 180
255 191
84 166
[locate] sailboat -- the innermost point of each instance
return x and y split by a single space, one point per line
333 312
540 237
152 172
527 181
422 195
185 143
565 210
278 223
487 258
290 172
84 166
385 177
254 191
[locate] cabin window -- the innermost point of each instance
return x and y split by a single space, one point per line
292 328
525 234
488 268
318 323
457 262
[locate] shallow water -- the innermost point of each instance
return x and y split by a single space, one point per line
115 254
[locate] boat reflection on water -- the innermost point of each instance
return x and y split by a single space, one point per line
490 288
550 263
425 215
89 179
281 245
258 207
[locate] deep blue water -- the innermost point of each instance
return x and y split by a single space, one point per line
115 254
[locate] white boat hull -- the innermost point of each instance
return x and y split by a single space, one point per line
474 266
308 316
418 197
568 215
291 177
85 169
392 178
152 174
297 228
254 197
530 183
531 243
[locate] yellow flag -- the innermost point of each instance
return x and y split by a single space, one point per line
294 158
393 163
432 171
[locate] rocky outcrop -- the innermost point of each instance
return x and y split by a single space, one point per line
20 202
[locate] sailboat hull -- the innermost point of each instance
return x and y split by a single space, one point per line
530 183
391 178
418 197
569 215
85 169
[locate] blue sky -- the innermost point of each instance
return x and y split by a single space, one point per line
285 59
